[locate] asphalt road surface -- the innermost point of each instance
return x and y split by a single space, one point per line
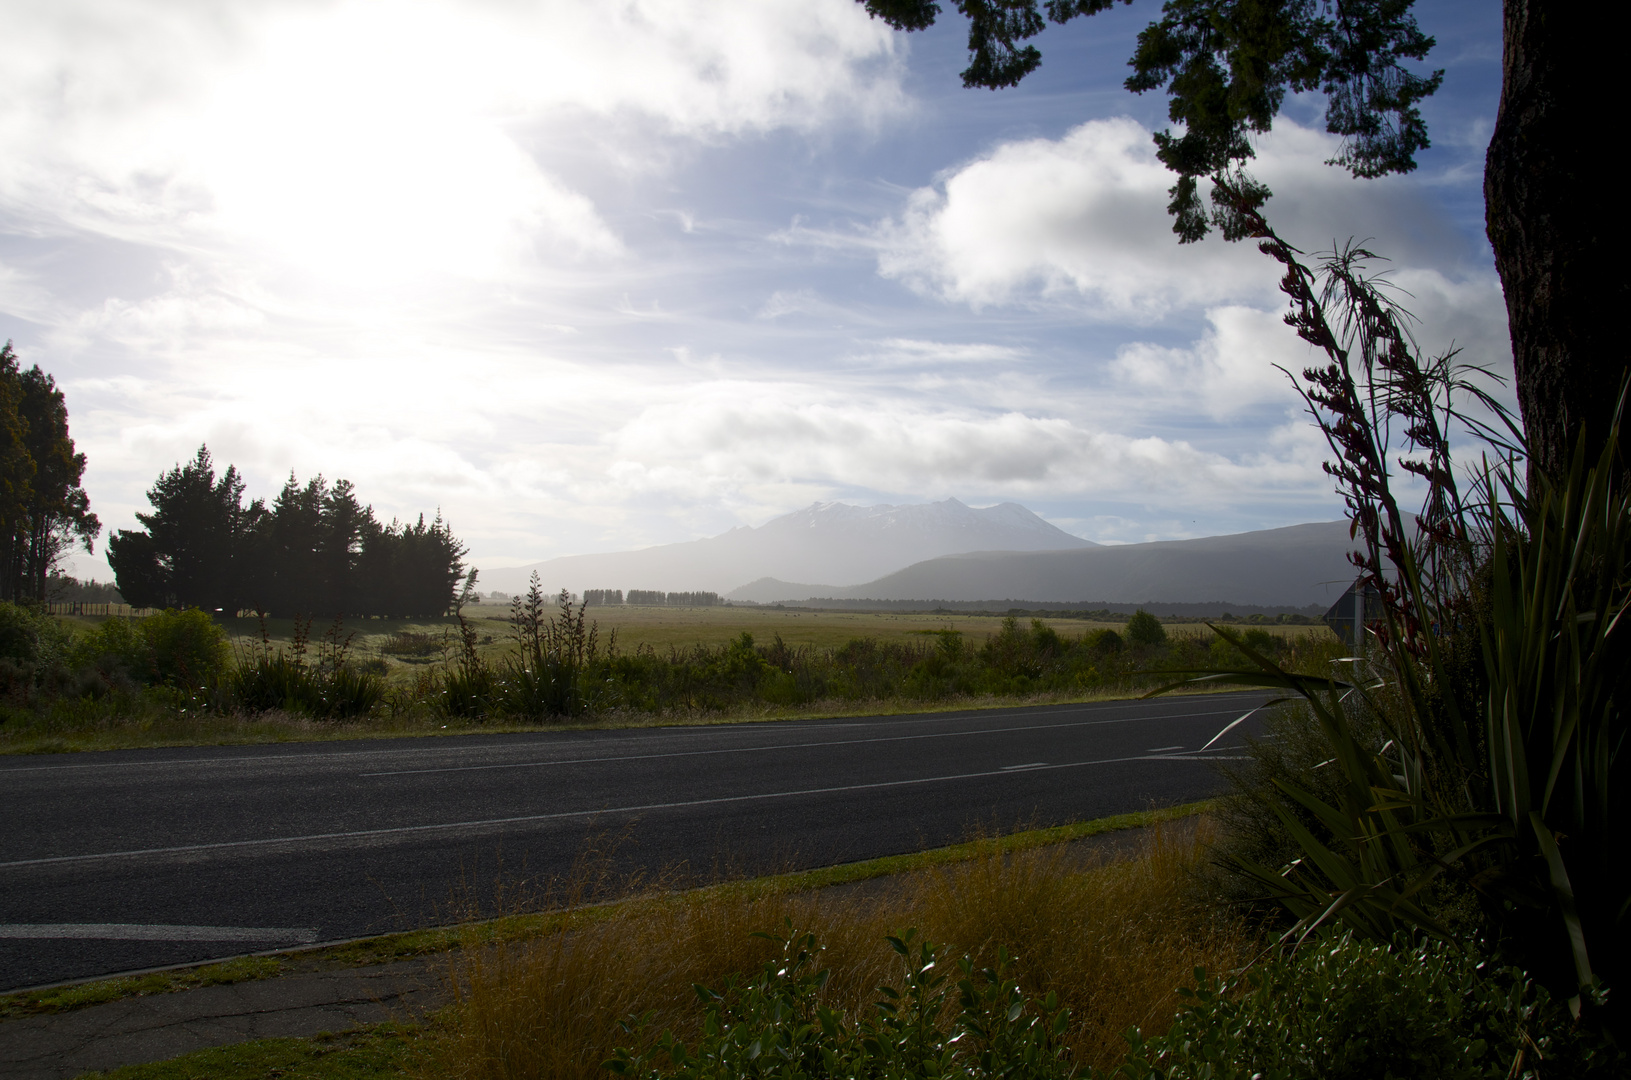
125 860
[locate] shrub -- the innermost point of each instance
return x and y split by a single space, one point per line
33 649
332 688
1342 1009
176 648
184 648
1104 642
1145 629
412 643
776 1025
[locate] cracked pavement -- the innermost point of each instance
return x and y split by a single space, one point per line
137 1030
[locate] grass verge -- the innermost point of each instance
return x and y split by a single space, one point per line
517 928
381 1051
23 736
1114 940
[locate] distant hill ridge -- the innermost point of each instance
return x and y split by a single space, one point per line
826 541
1288 568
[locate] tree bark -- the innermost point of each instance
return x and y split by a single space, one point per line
1556 217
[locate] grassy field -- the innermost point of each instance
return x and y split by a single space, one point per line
676 669
666 627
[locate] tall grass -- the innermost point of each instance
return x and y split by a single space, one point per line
1114 941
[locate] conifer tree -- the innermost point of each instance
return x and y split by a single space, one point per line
44 510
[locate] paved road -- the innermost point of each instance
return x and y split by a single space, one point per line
123 860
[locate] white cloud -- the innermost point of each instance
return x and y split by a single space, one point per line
371 140
1082 221
1080 218
1231 367
727 436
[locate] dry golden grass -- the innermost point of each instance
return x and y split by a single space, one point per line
1114 940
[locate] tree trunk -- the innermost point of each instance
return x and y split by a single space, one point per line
1556 216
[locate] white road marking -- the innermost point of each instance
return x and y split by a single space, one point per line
1163 749
401 830
1031 765
689 733
294 935
797 746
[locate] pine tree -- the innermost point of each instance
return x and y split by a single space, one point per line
44 511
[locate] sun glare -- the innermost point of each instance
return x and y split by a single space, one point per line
358 151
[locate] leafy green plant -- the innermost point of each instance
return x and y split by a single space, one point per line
177 648
1145 629
775 1025
331 687
1344 1009
1520 794
544 678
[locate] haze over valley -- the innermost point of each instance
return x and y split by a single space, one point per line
949 551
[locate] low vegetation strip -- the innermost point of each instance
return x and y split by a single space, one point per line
175 677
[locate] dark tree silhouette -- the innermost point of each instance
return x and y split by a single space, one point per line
44 512
316 551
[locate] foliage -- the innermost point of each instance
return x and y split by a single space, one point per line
27 636
65 588
1145 629
316 550
331 687
1338 1009
1227 66
546 676
44 511
1343 1009
1520 793
33 648
776 1025
186 649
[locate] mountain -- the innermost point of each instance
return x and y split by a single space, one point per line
823 542
1290 567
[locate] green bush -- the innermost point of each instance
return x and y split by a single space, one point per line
1338 1009
28 637
1145 629
330 688
1342 1009
33 652
185 648
775 1026
173 648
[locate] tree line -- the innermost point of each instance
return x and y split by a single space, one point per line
649 598
44 512
315 550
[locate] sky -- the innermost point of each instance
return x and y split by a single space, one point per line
587 276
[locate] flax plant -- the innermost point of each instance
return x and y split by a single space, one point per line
1517 787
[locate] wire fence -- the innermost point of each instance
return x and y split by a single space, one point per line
76 607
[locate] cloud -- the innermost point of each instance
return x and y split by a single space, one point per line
732 436
1080 218
1081 221
371 140
1231 367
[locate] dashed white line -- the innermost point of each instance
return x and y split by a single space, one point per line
693 733
402 830
800 746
